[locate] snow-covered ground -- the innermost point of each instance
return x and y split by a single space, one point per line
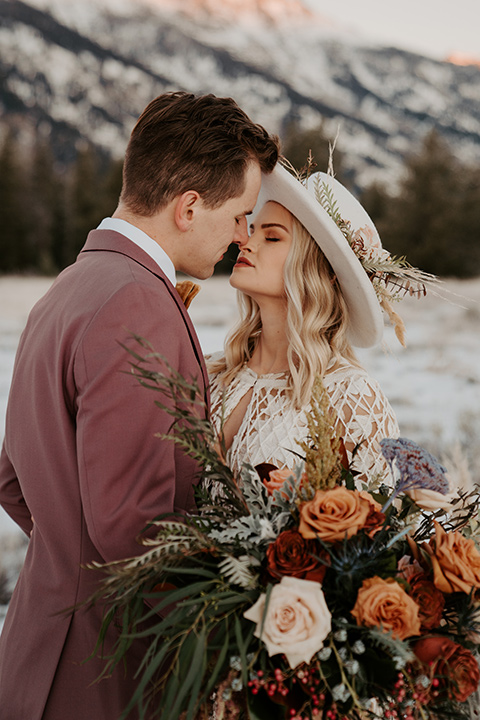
433 384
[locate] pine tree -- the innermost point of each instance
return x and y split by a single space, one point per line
43 198
14 250
83 201
433 220
298 144
59 245
467 247
93 186
110 187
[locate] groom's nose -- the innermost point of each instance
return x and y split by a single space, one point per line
241 232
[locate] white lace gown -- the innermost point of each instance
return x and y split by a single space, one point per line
271 428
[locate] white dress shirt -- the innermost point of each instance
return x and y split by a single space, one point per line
143 241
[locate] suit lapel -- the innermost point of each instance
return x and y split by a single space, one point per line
113 241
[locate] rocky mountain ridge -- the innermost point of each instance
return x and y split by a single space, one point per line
86 70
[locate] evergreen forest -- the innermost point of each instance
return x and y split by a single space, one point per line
47 207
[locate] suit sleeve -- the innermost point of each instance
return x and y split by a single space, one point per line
11 496
127 473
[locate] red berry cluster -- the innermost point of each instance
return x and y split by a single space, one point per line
274 686
398 708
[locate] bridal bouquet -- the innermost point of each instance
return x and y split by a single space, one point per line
293 594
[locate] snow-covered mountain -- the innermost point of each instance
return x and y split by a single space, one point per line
87 69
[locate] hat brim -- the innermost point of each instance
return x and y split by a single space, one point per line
365 316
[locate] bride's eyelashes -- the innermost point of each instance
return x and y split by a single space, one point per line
272 239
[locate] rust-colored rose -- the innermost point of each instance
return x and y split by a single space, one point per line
455 561
385 604
338 513
429 599
454 666
292 555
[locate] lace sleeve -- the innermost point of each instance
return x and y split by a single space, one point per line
365 416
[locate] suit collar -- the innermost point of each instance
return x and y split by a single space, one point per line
144 241
113 241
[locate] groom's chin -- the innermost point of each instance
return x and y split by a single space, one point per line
204 274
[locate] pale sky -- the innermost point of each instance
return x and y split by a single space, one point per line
431 27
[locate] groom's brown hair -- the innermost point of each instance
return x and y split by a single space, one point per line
185 142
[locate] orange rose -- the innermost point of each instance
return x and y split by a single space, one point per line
276 479
455 561
385 604
338 513
454 666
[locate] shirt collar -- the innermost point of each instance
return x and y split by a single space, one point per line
144 241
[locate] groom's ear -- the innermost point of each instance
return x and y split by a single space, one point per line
186 208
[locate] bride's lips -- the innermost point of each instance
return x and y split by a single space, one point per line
243 261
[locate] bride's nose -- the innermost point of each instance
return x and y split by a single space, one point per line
241 241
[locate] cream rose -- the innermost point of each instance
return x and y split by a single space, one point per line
295 622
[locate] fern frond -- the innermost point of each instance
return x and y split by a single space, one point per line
174 542
238 570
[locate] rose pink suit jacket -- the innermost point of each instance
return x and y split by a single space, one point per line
80 455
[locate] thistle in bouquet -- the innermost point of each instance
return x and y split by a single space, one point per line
293 593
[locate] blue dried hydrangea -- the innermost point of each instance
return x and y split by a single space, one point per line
416 467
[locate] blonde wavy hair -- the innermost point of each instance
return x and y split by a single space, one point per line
317 319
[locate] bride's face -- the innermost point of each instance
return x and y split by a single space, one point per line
258 271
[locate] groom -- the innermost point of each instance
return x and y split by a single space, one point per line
81 470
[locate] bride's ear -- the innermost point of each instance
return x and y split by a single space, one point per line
186 209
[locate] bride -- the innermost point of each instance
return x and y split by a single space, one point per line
313 279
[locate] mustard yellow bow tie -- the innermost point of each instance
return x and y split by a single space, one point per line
187 291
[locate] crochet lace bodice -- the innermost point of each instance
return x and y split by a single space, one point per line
271 428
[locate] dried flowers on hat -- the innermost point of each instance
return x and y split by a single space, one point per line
392 277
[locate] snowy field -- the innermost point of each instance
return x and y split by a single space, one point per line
433 384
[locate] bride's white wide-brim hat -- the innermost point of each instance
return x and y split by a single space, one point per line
365 315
